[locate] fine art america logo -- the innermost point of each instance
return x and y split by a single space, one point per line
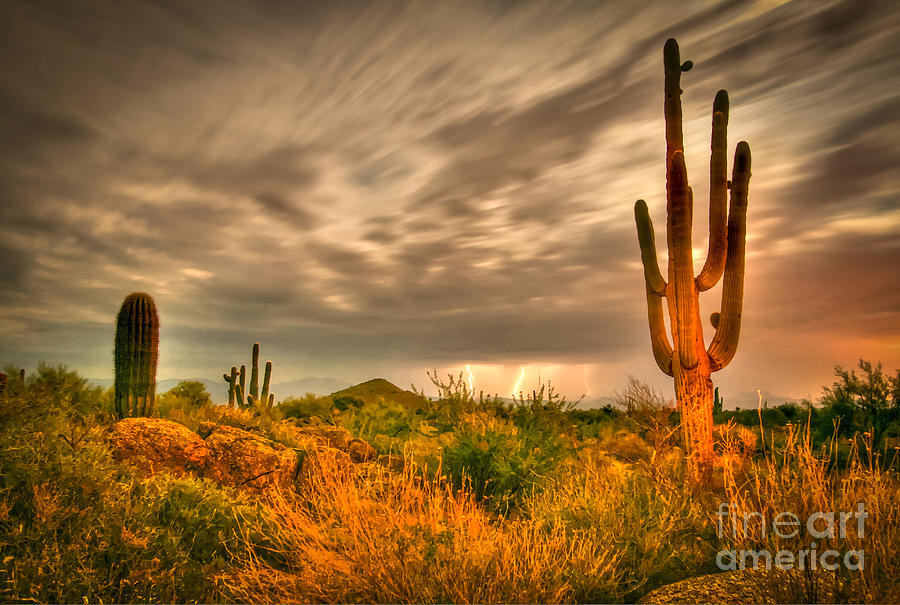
826 527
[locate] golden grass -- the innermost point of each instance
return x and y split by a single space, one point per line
796 478
373 536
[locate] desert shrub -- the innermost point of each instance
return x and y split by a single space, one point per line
584 417
384 424
50 390
184 403
627 446
191 391
500 465
200 519
345 402
504 450
649 413
456 399
793 412
305 407
868 402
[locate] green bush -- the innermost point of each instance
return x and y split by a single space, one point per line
305 407
868 402
191 391
51 389
345 402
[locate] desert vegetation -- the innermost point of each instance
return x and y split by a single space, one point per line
471 499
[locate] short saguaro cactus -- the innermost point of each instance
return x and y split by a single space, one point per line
136 356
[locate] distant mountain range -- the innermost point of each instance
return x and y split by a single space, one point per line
219 390
320 386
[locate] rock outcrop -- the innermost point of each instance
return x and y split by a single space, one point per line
745 586
238 458
338 438
154 444
234 456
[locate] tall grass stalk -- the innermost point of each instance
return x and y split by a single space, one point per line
800 479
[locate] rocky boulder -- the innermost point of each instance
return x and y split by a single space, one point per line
237 457
336 437
746 586
154 444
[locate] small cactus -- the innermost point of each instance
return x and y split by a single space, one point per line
232 381
237 384
136 356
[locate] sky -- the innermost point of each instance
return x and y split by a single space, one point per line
380 189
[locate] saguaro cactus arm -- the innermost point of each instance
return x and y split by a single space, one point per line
718 194
647 240
662 350
254 373
239 387
724 344
266 378
265 398
232 381
656 288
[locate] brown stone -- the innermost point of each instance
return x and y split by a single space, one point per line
237 457
334 436
242 459
154 444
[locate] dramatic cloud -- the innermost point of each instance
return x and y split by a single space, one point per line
382 188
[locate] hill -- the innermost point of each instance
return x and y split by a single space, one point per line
372 390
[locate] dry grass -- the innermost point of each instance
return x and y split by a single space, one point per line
373 536
795 478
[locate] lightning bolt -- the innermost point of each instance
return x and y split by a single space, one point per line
471 379
588 394
515 390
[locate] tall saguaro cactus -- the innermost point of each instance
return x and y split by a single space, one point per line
136 355
687 359
237 384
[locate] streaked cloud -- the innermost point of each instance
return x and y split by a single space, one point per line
377 188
